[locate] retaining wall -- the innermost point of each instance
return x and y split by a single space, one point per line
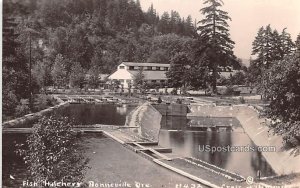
29 119
171 109
147 120
281 161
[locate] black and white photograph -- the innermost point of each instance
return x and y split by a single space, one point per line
150 93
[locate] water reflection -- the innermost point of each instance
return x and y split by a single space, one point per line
87 114
178 133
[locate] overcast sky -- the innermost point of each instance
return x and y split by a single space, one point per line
247 17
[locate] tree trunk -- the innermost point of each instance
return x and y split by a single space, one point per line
214 82
215 66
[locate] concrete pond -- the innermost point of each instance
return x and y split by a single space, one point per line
173 141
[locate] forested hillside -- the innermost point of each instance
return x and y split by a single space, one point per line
61 41
97 33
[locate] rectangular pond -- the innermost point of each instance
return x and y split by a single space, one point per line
89 114
189 137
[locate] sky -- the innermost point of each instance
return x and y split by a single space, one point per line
247 17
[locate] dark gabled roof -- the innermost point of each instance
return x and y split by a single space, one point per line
146 64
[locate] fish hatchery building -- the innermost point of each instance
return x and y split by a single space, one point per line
153 72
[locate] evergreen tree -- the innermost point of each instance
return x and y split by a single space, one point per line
269 46
262 47
42 73
14 69
151 15
178 74
277 46
175 22
139 80
59 74
297 44
77 76
287 43
93 79
214 32
9 37
189 29
164 23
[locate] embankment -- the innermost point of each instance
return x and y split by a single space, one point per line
147 120
29 119
281 161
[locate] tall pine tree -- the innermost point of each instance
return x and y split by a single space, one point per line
297 44
214 31
286 43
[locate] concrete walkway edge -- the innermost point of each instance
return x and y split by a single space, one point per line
181 172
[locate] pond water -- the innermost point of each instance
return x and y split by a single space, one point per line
186 137
88 114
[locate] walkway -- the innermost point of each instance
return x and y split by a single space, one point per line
109 167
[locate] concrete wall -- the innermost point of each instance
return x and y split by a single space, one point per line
210 111
147 120
29 119
281 161
171 109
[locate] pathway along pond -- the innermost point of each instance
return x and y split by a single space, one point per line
187 138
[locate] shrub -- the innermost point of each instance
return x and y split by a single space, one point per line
9 103
22 109
53 152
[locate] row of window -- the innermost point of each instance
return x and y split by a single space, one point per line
226 69
146 68
153 81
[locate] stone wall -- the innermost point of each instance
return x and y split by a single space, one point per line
281 161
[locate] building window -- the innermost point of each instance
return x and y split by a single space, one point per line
157 68
131 67
166 68
121 80
153 81
149 68
162 81
121 67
